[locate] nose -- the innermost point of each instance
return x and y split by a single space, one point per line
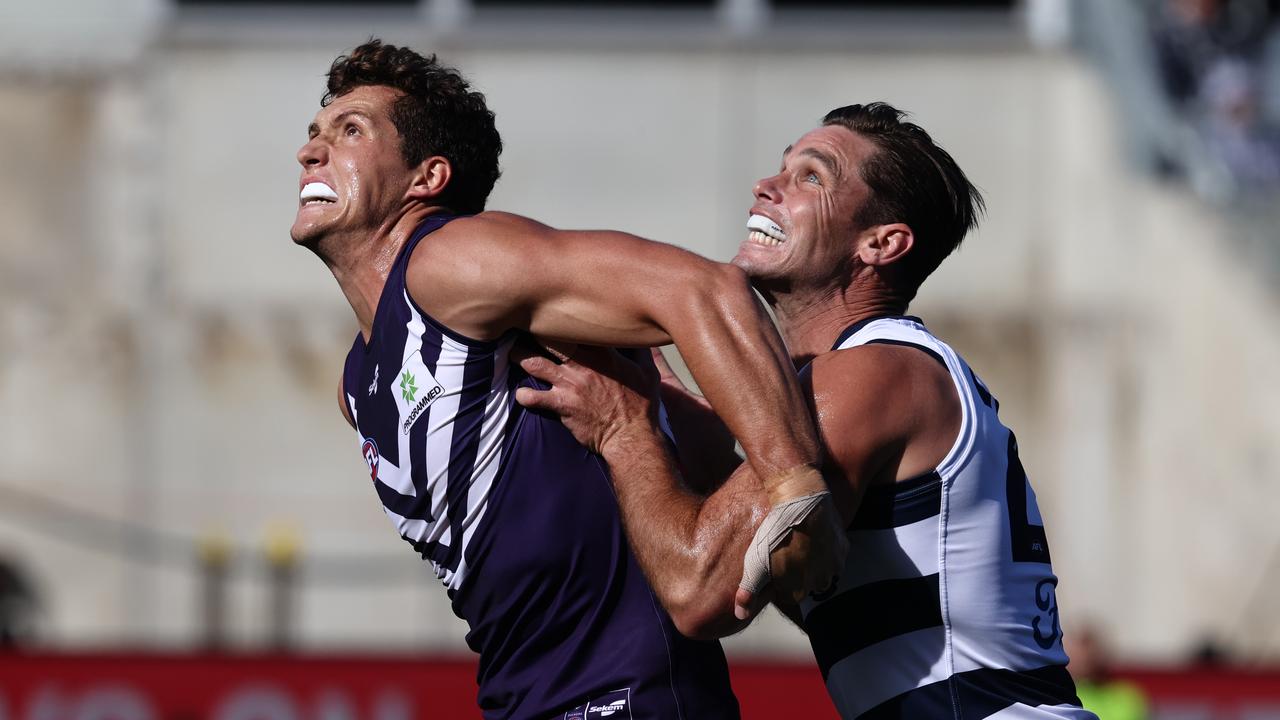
767 189
313 153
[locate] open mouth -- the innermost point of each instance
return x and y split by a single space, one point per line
316 193
763 231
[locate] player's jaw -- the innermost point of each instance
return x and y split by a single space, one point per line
318 207
768 245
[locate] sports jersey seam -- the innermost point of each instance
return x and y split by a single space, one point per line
944 596
454 335
445 329
957 454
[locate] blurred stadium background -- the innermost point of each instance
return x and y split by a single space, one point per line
183 522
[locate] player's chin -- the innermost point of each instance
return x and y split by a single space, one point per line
757 261
305 232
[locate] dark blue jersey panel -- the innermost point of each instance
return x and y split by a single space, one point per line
563 619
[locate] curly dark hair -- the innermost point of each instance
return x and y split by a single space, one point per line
438 114
912 181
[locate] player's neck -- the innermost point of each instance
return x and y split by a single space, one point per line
361 261
811 322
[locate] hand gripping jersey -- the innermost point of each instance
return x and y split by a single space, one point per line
520 524
946 607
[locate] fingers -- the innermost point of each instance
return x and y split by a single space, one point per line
747 604
537 399
813 555
542 368
799 548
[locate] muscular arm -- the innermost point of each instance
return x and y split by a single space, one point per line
690 546
882 415
485 275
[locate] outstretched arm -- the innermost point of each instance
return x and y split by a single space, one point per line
884 413
690 546
485 275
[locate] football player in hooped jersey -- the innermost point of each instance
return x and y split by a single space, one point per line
946 606
514 516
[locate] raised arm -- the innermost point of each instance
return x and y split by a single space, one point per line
485 275
690 545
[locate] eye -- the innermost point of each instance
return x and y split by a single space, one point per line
352 129
812 177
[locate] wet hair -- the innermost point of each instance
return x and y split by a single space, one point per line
437 114
912 181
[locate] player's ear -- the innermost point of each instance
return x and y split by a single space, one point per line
430 178
885 244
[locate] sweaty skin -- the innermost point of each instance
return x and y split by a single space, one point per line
884 413
491 273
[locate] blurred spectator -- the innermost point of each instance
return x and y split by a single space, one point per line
1210 55
1209 653
1192 36
17 605
1090 666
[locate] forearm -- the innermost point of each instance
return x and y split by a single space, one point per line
742 367
689 547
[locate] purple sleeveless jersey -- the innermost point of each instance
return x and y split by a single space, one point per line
520 523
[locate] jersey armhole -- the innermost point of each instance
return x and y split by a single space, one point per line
904 343
445 330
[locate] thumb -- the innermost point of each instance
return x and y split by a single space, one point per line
747 605
535 399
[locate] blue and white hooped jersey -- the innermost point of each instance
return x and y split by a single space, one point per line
521 525
946 607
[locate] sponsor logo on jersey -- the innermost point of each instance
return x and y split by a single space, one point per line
407 386
373 386
422 405
418 389
611 705
369 449
607 710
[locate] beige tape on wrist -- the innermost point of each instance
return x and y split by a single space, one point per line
777 525
792 483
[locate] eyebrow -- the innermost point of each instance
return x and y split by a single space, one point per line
818 155
314 129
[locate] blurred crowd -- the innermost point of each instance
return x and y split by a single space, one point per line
1219 62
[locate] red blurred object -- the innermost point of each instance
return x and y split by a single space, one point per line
216 686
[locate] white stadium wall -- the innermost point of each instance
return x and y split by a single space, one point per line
169 359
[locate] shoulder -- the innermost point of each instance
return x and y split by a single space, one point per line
880 409
453 254
471 273
491 226
851 386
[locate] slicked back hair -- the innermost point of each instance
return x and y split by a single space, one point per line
438 114
912 181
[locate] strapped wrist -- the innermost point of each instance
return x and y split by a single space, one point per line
792 483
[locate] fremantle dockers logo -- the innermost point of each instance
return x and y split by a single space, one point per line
370 451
